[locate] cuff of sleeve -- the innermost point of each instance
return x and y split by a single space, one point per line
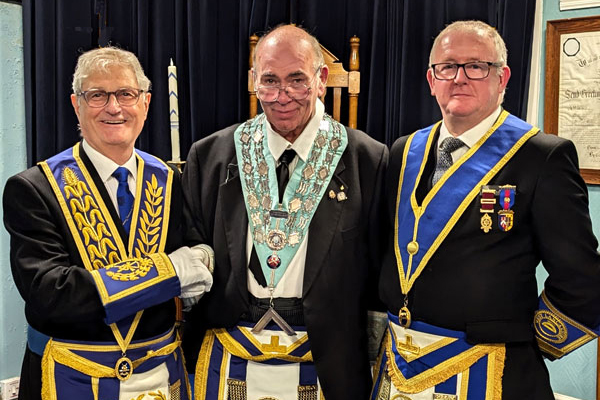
135 284
556 333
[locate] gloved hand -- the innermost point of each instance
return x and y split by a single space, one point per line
194 268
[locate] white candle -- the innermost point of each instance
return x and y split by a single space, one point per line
173 112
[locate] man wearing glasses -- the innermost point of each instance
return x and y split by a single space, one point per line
96 250
477 201
290 201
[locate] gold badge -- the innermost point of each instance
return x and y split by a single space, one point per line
331 194
486 223
124 368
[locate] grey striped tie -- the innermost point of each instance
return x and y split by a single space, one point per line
445 157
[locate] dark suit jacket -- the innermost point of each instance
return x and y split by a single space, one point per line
61 299
343 244
485 284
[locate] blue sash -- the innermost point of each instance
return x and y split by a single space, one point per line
416 241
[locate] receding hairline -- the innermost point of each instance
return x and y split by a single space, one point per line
293 34
477 27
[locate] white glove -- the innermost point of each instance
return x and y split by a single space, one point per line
193 267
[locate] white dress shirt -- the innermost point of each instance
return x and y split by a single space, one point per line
469 137
105 168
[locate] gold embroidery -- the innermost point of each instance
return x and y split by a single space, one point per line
236 389
549 327
448 368
158 395
89 220
274 346
149 230
175 390
130 270
308 392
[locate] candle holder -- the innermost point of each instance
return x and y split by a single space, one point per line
178 164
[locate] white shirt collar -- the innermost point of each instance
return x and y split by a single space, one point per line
303 144
105 166
473 135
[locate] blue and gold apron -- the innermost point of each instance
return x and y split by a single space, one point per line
236 364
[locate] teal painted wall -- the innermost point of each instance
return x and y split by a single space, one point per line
12 160
574 375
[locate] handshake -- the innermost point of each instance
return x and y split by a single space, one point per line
194 267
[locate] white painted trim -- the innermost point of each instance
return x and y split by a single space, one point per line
535 72
575 4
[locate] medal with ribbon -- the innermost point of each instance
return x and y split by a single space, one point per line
506 195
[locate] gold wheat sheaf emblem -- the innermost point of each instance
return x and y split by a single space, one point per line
149 228
158 395
89 220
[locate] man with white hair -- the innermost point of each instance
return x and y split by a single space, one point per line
96 250
290 201
477 200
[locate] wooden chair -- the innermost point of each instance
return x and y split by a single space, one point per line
338 78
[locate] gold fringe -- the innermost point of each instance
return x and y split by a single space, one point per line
439 373
48 383
500 357
201 371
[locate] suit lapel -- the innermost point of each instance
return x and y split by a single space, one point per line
322 228
235 224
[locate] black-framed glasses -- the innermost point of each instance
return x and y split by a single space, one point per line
299 89
99 98
475 70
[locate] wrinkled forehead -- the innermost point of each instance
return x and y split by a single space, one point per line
116 74
284 56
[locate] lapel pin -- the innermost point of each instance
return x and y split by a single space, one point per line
331 194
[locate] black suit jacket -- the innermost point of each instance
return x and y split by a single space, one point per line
485 283
343 249
61 299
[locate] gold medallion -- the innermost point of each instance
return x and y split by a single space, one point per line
276 239
124 368
404 317
486 223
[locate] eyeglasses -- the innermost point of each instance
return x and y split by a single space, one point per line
99 98
473 70
299 89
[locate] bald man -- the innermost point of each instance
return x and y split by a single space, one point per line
290 200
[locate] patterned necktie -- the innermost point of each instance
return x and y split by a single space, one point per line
124 197
283 172
445 157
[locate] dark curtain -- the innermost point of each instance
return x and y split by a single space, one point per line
208 42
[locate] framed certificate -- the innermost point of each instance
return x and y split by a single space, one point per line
572 88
